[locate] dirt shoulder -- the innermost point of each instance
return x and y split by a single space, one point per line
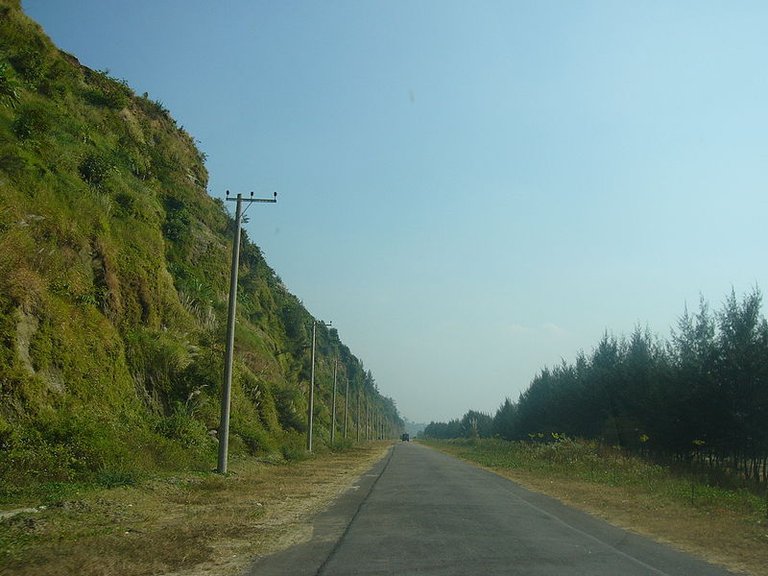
201 525
719 537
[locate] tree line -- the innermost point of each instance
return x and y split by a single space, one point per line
699 397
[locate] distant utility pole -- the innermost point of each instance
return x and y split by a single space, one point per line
346 409
311 409
358 414
226 390
333 417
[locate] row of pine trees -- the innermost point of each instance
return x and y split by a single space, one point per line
700 397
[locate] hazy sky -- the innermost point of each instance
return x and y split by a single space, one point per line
469 190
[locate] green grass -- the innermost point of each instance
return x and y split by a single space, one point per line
114 277
582 461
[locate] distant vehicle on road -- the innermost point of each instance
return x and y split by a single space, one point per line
405 437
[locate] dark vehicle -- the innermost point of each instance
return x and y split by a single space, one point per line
405 437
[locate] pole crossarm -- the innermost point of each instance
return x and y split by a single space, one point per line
272 200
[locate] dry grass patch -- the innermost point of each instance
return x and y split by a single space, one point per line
186 526
720 536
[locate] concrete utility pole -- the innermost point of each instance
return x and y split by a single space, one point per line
358 415
333 417
311 409
226 390
346 409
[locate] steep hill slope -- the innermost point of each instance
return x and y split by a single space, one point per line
114 266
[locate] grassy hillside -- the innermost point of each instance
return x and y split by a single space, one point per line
114 266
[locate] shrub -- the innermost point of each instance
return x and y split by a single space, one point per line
158 363
290 408
29 62
106 91
32 122
94 169
293 446
113 478
9 88
256 439
12 163
182 427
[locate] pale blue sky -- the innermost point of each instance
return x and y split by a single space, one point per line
469 190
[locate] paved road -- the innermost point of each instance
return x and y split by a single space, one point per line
419 511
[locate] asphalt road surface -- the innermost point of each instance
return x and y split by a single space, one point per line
419 511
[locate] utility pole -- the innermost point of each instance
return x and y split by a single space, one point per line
226 391
358 414
333 411
346 409
311 409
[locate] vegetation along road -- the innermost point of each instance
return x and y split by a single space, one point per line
420 511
